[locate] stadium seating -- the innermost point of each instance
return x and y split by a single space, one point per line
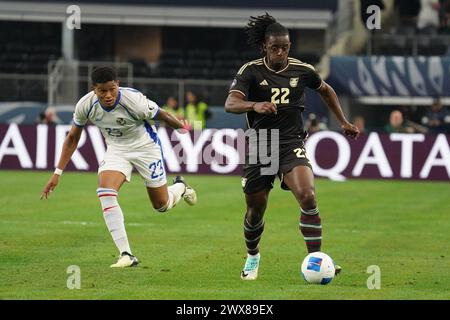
30 51
408 43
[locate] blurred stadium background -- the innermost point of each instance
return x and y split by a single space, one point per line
166 48
172 47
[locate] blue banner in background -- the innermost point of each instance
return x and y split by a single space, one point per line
390 76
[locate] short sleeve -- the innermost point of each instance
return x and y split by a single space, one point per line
313 79
241 82
147 109
80 116
152 109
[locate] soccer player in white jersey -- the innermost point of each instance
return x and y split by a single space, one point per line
123 116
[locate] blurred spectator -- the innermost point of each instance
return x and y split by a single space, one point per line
428 20
411 117
40 118
314 124
195 110
416 127
407 111
360 123
437 119
171 106
396 124
49 117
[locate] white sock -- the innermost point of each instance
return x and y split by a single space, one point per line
114 218
175 191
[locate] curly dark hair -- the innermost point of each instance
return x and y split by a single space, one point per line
103 75
260 28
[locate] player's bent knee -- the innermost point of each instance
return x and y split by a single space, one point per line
308 199
256 209
161 206
254 215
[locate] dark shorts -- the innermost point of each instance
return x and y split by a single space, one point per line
290 156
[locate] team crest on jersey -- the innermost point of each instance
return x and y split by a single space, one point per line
120 121
293 82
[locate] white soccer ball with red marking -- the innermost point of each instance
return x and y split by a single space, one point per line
318 268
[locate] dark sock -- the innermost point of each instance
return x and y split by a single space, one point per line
252 236
311 228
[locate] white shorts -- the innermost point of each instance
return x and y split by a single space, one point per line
148 162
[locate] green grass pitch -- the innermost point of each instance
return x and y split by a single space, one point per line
198 252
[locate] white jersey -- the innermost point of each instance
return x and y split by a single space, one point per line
126 125
428 16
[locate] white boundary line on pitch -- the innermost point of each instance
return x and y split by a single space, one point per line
81 223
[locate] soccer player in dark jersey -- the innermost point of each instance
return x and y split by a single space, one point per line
270 91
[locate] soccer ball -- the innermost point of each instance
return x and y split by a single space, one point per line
318 268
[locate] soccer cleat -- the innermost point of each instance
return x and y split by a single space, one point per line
126 260
189 195
250 271
337 269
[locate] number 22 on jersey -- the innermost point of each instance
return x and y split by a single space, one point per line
279 95
299 153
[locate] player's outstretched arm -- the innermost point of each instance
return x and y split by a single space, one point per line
173 121
330 98
235 103
69 147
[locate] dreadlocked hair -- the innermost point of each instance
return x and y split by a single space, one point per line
261 27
